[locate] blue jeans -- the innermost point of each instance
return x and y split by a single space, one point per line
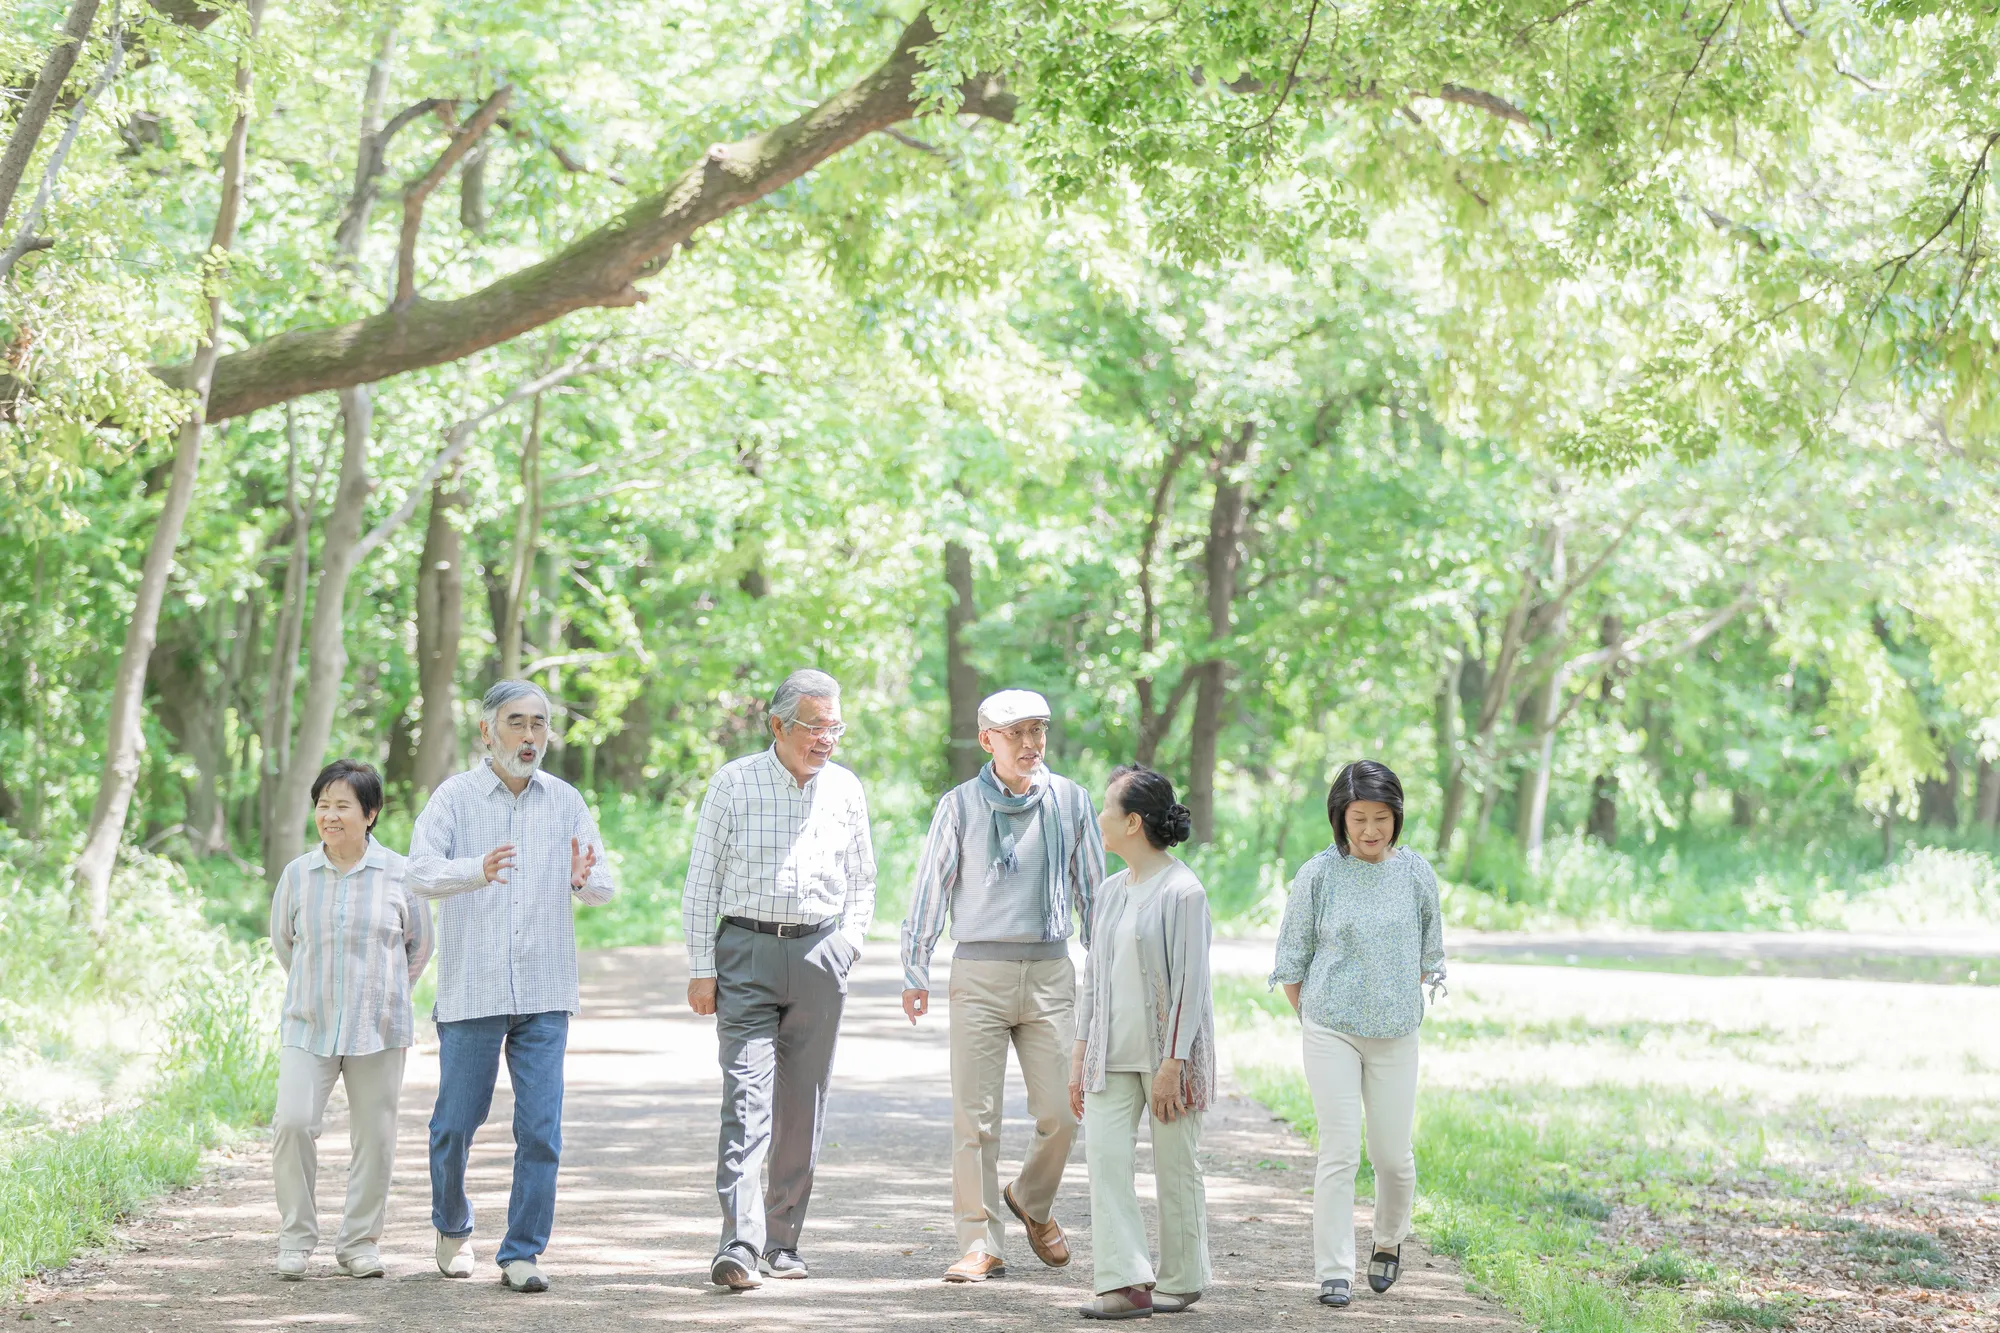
468 1063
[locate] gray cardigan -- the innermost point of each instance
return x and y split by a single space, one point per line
1173 958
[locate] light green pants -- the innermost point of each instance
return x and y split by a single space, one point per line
1119 1254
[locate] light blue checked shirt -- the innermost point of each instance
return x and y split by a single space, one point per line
352 944
508 947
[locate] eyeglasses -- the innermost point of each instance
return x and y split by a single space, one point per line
1026 731
832 731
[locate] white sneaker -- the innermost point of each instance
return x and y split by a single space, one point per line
292 1264
363 1265
454 1255
522 1275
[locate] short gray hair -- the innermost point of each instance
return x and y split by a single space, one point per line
805 684
506 692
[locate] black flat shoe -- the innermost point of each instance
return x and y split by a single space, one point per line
1333 1292
1384 1268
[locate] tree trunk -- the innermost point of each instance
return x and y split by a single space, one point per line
1545 706
961 679
472 192
125 736
1222 559
1497 684
1988 795
1450 758
527 533
1937 798
34 117
440 621
1742 808
1603 824
326 646
1157 719
191 708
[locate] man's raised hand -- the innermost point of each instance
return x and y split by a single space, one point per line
581 859
500 859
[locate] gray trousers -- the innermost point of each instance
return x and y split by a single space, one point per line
777 1014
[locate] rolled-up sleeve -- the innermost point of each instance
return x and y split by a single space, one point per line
434 871
419 940
702 897
858 912
1297 931
284 930
598 887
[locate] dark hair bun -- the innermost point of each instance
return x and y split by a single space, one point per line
1171 828
1149 795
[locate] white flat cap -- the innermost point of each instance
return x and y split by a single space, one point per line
1010 706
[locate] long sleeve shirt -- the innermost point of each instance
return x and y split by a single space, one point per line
769 848
1361 938
352 943
954 879
508 947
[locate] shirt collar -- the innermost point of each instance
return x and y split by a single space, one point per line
375 856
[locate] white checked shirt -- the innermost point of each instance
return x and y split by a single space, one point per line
352 943
771 850
508 947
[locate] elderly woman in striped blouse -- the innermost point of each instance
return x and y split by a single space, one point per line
352 942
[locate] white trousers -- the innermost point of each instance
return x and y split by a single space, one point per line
1352 1077
305 1081
1119 1254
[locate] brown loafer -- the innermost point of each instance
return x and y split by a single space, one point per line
975 1267
1044 1238
1124 1303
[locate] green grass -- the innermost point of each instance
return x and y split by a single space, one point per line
1908 1258
1943 971
68 1174
1670 1268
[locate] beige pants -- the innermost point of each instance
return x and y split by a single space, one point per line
1118 1252
1033 1007
1349 1077
305 1081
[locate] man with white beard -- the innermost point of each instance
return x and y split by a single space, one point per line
503 848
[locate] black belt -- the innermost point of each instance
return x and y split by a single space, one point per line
784 930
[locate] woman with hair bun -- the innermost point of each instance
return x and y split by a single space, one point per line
1359 941
1145 1033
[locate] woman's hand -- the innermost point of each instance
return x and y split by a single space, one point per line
1292 989
1076 1082
1168 1104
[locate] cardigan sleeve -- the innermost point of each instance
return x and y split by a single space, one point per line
1188 988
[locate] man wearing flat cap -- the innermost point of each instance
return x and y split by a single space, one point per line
1013 856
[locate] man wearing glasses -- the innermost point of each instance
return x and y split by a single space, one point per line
780 891
1010 856
505 847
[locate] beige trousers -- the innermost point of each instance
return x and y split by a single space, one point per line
1351 1077
1033 1007
305 1081
1118 1252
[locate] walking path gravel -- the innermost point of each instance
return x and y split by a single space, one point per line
636 1218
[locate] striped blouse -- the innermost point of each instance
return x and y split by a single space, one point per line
352 944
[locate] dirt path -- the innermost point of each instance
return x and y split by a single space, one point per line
636 1218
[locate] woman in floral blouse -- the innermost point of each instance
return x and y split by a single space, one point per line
1359 941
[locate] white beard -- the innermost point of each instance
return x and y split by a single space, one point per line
510 764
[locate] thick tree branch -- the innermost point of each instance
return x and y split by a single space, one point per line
1491 103
419 191
28 240
598 269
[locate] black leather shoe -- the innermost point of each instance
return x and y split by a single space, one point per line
1334 1292
784 1263
1384 1268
